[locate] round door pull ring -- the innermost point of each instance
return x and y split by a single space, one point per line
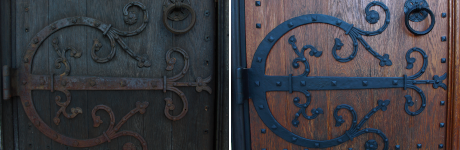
419 8
170 8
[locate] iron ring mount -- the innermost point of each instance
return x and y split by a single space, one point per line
416 16
170 8
419 8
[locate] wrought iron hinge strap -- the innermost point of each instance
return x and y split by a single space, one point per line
299 83
44 82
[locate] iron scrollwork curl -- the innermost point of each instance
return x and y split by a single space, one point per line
32 82
258 83
115 35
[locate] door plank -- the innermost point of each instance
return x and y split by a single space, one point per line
32 20
69 37
197 129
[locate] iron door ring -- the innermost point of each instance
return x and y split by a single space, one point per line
406 20
171 8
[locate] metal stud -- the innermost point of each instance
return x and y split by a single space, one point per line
443 38
123 83
257 83
441 146
294 139
313 18
364 83
444 15
397 147
316 144
339 22
259 59
271 39
334 83
419 145
441 125
443 60
92 83
442 103
36 40
290 24
261 106
258 25
263 131
296 99
278 83
257 3
395 82
274 127
303 83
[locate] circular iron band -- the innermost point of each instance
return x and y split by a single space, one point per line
25 73
261 103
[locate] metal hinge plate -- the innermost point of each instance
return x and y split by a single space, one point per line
241 84
9 79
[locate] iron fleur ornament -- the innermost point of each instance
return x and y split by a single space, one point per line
258 83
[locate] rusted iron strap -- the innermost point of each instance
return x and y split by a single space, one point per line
43 82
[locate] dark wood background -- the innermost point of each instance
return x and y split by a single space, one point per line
401 128
195 131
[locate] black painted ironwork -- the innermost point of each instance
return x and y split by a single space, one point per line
257 83
417 10
417 15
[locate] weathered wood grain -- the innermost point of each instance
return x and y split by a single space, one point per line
195 130
396 40
32 16
69 37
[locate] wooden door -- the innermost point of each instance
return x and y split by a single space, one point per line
110 75
364 81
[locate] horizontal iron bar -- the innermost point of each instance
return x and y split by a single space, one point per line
42 82
300 83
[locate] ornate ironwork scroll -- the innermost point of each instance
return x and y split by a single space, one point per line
65 83
258 83
113 34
